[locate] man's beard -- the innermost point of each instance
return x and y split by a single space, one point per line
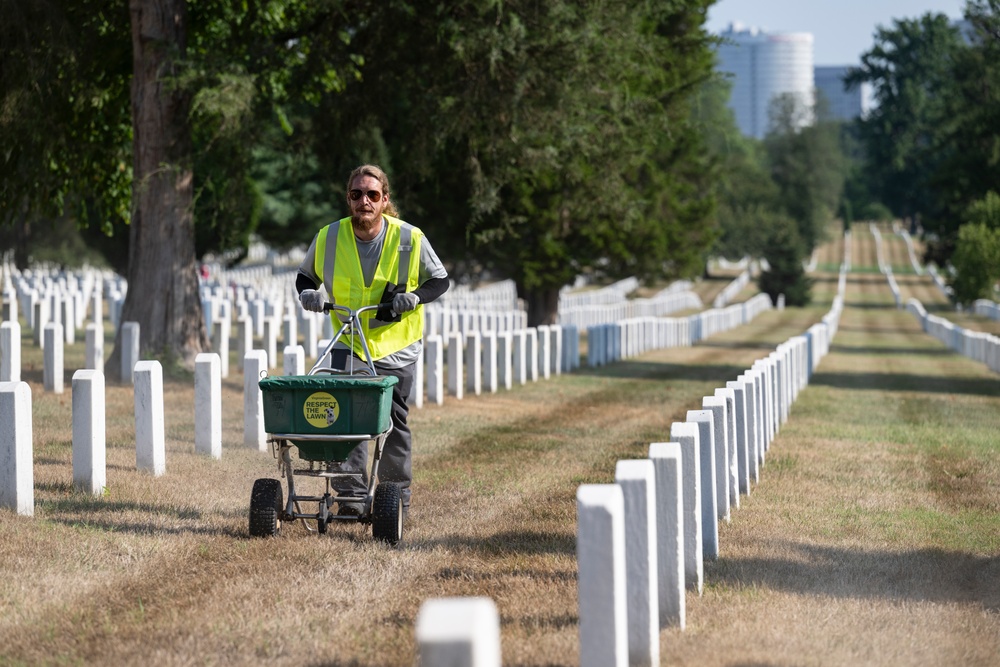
364 225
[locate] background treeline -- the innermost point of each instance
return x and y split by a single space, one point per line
536 141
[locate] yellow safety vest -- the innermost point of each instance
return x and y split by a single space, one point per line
399 264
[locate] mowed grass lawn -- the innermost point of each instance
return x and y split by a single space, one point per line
873 536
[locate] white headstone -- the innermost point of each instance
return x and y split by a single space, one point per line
208 405
455 373
416 398
93 353
271 341
544 361
459 632
52 371
434 350
254 370
705 420
490 361
689 437
130 350
309 334
89 444
473 362
17 481
40 318
742 442
718 407
637 479
97 308
220 344
69 320
531 353
505 359
10 352
520 356
294 360
290 330
667 463
150 442
600 556
244 340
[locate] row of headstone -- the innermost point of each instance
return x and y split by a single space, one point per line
88 424
886 267
609 343
669 300
615 293
986 308
730 291
976 345
911 251
642 542
486 361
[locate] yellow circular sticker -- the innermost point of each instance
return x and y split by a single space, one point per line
321 409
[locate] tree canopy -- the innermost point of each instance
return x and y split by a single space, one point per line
931 143
536 141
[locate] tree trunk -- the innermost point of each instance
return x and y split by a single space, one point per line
162 275
542 304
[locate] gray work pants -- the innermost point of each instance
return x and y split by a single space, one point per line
395 464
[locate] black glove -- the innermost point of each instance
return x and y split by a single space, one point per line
385 312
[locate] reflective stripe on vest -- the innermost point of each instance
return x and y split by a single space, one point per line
337 246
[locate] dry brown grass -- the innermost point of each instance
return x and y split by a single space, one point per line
871 538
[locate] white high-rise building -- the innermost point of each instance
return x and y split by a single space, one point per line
762 66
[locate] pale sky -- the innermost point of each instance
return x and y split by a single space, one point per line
842 29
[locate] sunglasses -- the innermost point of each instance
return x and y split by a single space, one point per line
373 195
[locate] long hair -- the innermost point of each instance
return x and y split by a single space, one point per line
375 172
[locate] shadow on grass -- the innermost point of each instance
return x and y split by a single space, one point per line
101 514
647 370
506 542
906 382
933 352
930 575
884 305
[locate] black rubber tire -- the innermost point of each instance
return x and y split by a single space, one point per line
323 518
387 513
266 506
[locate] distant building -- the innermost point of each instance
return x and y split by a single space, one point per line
841 104
762 66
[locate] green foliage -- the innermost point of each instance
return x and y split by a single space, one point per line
785 273
807 165
933 141
536 140
796 174
909 69
65 123
976 259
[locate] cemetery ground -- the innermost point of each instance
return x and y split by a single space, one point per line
872 538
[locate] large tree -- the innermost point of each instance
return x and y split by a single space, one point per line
152 115
162 274
911 70
807 165
65 124
538 141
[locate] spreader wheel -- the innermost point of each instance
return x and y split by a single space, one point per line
266 505
387 513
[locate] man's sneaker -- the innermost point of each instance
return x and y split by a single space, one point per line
350 509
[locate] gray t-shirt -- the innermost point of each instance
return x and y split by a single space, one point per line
369 252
